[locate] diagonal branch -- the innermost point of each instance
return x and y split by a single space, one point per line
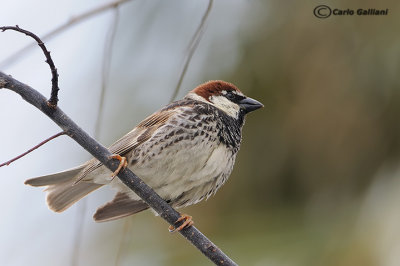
148 195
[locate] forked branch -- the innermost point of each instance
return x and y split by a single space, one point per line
54 75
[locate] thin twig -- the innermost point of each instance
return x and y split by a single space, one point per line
106 68
32 149
71 22
125 240
192 48
78 235
102 154
54 75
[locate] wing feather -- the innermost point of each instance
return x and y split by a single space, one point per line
141 133
132 140
122 205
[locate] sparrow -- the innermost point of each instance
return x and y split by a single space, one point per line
185 152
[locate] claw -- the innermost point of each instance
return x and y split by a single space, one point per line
187 223
122 164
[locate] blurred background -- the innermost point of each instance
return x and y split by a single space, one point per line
317 180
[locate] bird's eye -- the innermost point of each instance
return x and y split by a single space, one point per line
230 96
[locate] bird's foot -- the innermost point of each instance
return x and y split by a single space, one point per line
122 164
187 223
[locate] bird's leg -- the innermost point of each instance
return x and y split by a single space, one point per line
122 164
187 223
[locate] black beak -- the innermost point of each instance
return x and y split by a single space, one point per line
248 105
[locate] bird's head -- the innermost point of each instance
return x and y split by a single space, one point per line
226 97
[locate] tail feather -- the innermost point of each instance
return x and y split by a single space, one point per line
61 189
121 206
60 177
61 196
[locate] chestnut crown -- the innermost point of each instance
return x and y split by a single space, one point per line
226 97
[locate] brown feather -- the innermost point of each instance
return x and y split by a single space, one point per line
61 196
56 178
61 191
119 207
214 88
130 141
155 119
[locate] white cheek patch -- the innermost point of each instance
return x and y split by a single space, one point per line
222 103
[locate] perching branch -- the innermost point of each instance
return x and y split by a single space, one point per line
102 154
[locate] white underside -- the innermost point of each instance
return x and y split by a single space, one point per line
184 167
